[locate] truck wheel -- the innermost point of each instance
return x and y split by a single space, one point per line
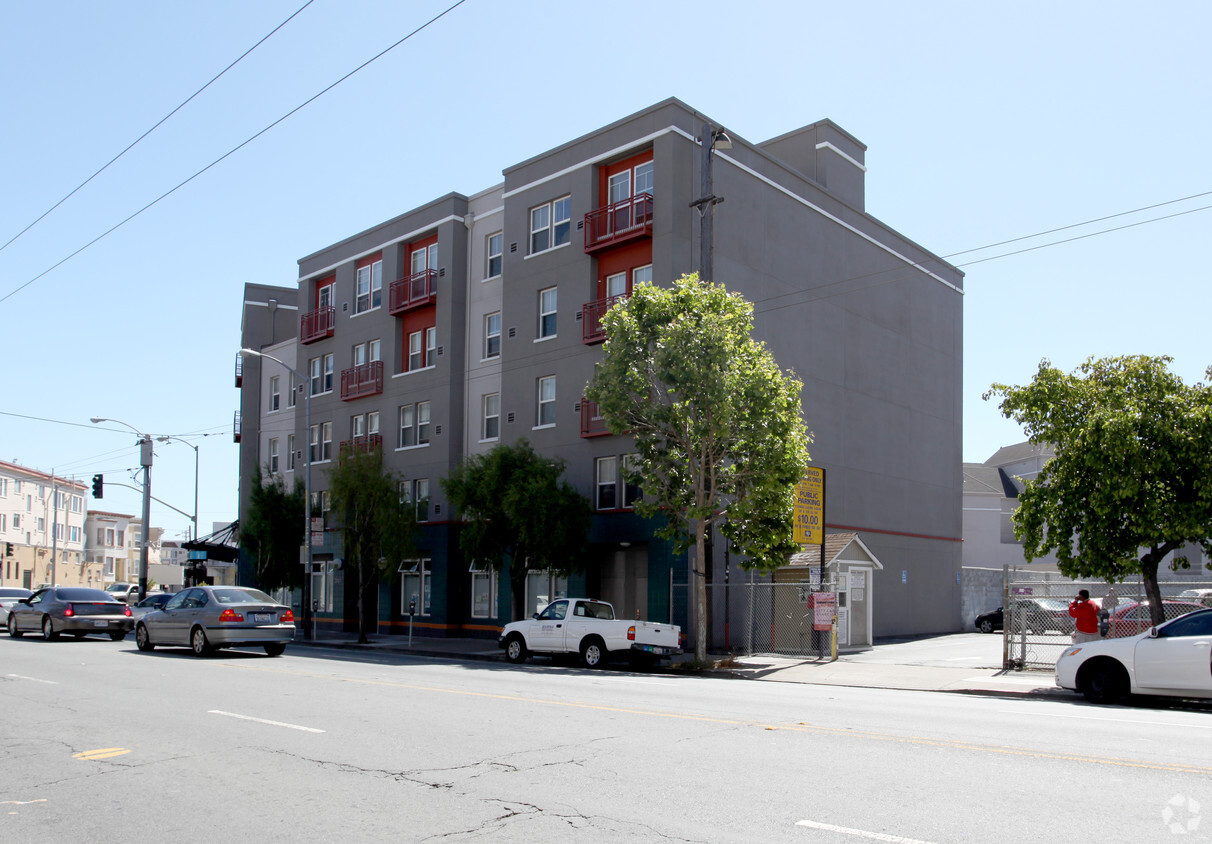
515 650
593 653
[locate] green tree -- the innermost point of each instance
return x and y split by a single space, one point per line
514 506
272 531
377 530
1132 477
717 424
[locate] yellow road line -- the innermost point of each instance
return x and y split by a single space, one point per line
101 753
799 727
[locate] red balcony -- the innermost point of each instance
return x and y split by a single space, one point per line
416 291
235 427
364 380
619 223
316 325
368 443
239 370
592 423
591 319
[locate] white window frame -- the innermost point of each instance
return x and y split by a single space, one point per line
490 427
407 426
431 346
483 580
492 332
273 455
650 173
551 225
368 287
423 423
606 476
495 260
416 572
290 452
548 310
275 393
546 394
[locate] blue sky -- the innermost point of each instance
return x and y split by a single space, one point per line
984 122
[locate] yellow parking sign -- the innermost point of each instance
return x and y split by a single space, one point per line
809 511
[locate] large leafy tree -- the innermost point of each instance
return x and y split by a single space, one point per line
377 529
717 424
1132 477
271 530
514 506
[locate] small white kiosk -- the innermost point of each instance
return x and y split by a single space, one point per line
849 564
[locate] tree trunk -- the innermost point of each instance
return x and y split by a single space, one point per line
362 637
699 585
1148 571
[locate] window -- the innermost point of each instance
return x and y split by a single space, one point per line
17 522
641 275
616 285
414 425
372 422
368 352
273 456
75 537
543 587
321 374
357 426
290 452
369 284
415 586
620 187
492 335
546 410
415 356
550 224
294 388
607 482
275 393
631 482
321 442
3 487
644 178
422 499
483 591
547 313
328 373
431 346
496 251
492 417
109 538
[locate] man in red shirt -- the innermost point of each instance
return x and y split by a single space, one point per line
1085 616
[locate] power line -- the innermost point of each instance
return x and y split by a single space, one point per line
182 105
233 150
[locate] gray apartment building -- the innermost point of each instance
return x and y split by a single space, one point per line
472 321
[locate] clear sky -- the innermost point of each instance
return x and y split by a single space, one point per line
983 121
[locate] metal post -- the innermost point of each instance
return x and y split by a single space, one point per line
145 452
707 209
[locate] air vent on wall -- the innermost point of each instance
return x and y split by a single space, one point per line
437 509
509 418
578 316
440 348
576 408
513 332
513 247
437 430
442 273
580 225
344 307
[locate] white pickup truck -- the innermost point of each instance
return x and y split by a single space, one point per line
588 627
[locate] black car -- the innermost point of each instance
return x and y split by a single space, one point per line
70 609
991 621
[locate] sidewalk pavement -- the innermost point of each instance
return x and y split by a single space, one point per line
764 667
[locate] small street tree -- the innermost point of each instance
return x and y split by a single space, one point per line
377 529
717 424
271 530
515 506
1132 477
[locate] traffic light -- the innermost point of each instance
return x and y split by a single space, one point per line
8 549
98 486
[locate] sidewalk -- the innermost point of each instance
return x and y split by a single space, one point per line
848 670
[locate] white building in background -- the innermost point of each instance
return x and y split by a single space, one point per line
42 523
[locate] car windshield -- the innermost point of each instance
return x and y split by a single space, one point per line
84 595
241 596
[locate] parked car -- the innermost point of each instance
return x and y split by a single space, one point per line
588 627
9 595
1171 659
1134 617
153 601
206 618
991 621
1199 596
69 609
128 592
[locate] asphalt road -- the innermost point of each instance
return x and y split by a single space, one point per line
102 743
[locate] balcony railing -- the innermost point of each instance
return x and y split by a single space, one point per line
591 319
592 423
363 380
235 427
368 443
239 370
316 325
415 291
621 222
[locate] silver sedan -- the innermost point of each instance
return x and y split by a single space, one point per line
206 618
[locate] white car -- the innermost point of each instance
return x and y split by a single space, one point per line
1173 659
10 595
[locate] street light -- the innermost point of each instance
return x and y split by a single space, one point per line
195 448
710 139
306 477
145 458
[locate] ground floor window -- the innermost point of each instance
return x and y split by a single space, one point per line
322 586
543 587
415 586
483 591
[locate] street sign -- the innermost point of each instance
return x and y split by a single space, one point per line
317 538
824 608
809 511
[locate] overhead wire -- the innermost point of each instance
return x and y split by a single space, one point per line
157 125
233 150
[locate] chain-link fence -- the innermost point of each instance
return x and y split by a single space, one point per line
1037 626
768 618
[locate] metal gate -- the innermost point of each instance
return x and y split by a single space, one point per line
771 618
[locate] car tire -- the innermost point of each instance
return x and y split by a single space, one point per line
198 643
1104 681
117 635
593 652
48 629
275 648
986 626
515 649
143 639
13 630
